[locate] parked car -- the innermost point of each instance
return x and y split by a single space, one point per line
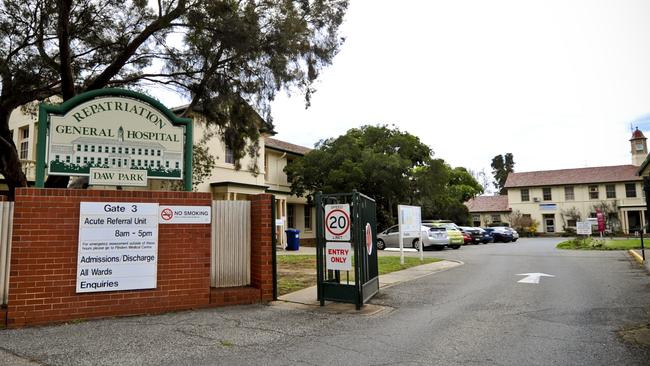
455 235
500 234
515 234
473 233
435 238
486 237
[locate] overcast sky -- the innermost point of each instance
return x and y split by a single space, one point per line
556 83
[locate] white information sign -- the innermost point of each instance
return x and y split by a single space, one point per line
339 256
118 246
337 222
583 228
410 226
184 214
410 221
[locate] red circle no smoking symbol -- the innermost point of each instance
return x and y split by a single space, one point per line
337 222
167 214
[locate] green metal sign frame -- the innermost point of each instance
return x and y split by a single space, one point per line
60 109
330 284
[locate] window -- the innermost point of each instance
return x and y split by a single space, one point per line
569 194
113 149
146 151
166 164
525 195
57 157
177 166
266 167
78 160
476 220
593 192
307 218
630 190
113 161
67 158
106 161
119 150
85 147
610 190
24 142
158 153
571 223
85 159
230 158
99 148
78 147
150 162
290 216
139 151
158 163
151 152
92 148
546 193
496 218
139 162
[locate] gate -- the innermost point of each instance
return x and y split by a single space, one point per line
231 244
361 237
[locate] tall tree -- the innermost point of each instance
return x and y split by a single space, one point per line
223 55
502 165
391 166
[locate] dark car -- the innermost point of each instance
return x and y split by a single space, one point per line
499 235
473 233
486 237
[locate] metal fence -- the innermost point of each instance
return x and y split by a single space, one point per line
231 244
6 220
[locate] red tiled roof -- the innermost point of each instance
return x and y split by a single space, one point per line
285 146
488 204
637 134
602 174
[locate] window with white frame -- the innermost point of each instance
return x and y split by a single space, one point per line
610 191
630 190
24 142
569 195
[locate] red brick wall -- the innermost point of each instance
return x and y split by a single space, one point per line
44 260
262 245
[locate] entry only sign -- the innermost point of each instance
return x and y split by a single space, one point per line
118 246
339 256
337 222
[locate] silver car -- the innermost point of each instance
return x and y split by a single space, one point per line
433 237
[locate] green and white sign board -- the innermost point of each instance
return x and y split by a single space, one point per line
115 137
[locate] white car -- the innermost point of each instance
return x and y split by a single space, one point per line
433 237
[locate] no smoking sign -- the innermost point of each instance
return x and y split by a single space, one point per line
337 222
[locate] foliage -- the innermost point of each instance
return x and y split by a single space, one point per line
570 214
610 211
389 165
502 165
592 243
228 57
522 223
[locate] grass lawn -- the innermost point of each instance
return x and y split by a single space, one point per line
604 244
296 272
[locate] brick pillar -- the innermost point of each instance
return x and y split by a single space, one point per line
262 245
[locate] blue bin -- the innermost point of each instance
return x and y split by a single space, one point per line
293 239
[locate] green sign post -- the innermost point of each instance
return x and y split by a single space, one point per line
115 137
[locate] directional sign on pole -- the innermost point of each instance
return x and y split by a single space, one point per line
532 277
337 222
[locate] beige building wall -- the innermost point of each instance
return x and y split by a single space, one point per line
543 211
19 122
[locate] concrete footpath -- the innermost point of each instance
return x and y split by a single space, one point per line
307 298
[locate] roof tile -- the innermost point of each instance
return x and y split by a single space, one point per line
286 146
602 174
488 204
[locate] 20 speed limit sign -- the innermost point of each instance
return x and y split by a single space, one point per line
337 222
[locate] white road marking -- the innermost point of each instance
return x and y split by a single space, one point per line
532 277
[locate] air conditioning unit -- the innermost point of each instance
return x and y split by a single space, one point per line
535 199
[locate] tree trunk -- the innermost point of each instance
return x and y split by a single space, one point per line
10 166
